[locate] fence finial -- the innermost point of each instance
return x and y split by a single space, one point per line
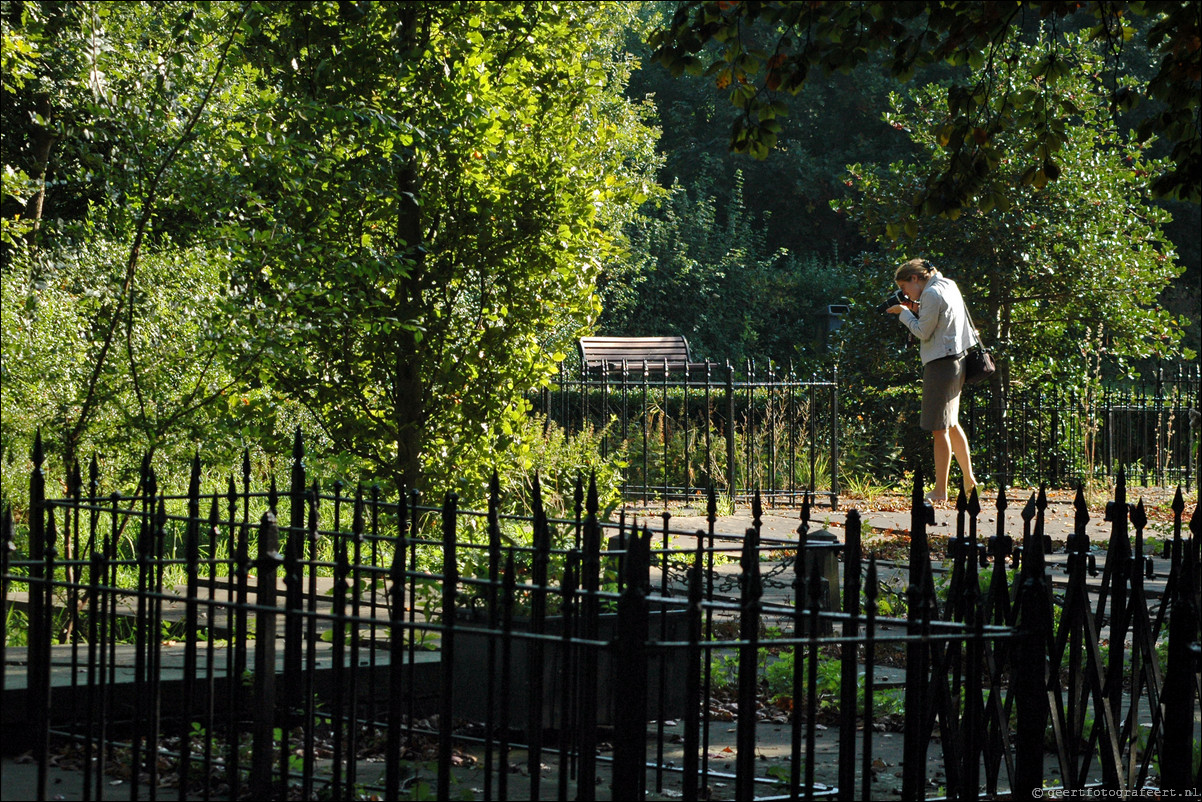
591 504
536 499
298 446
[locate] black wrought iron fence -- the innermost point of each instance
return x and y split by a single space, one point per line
684 427
1061 436
314 644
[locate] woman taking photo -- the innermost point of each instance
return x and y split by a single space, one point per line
938 318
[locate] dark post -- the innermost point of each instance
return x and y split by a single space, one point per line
192 569
711 517
450 587
814 602
1179 683
293 587
974 629
312 501
730 432
799 598
692 696
997 600
508 590
38 669
835 439
749 637
396 659
264 702
567 671
342 577
851 631
591 606
142 649
538 627
1117 571
915 746
870 594
356 588
494 622
630 707
1030 667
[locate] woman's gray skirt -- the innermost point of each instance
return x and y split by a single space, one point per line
942 380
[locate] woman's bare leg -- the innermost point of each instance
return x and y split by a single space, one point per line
959 446
943 463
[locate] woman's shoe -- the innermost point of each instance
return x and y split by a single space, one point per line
934 499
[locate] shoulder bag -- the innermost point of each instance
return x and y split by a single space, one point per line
978 363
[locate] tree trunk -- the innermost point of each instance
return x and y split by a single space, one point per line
43 145
408 392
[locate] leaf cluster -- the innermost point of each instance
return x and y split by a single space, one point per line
755 51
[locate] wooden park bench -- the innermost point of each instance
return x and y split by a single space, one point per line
608 354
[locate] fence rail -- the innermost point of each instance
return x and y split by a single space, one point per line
313 644
1061 436
681 428
684 427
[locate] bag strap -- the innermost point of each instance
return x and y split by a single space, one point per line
975 333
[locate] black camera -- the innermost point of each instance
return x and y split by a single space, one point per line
895 298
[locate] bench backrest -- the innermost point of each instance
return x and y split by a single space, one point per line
608 353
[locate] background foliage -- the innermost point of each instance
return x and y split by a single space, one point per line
386 223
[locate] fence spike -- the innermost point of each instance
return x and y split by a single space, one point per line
592 505
231 497
1139 518
1029 510
1081 519
536 499
1179 685
357 519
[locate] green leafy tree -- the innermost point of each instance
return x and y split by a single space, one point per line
700 266
833 121
761 50
1051 258
124 112
431 192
